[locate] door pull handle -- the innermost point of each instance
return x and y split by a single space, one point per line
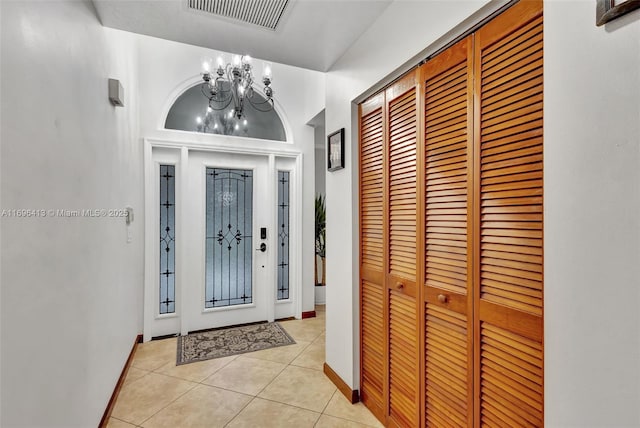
263 247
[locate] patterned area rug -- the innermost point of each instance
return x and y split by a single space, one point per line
220 343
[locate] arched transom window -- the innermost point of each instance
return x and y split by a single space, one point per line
190 113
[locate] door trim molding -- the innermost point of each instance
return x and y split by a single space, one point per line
183 148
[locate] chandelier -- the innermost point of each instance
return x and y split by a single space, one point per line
230 86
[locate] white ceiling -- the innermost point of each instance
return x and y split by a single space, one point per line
312 34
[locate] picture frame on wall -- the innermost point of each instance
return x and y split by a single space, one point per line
608 10
335 150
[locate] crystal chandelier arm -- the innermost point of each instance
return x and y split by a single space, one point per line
256 105
215 103
222 107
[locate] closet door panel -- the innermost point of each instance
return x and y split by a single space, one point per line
404 340
509 182
448 253
373 354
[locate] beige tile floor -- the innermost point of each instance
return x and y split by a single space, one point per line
280 387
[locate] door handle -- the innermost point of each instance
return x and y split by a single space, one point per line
263 247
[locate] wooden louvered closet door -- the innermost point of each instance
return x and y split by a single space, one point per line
373 355
508 179
451 230
403 330
448 294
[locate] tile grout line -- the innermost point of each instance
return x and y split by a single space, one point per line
288 405
241 410
121 420
206 377
331 398
173 401
325 407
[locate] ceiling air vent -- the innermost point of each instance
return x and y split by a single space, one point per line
264 13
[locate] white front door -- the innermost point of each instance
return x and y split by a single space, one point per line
229 277
222 239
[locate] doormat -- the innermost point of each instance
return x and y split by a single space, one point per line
206 345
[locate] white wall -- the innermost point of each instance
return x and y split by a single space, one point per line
71 287
167 68
404 29
592 218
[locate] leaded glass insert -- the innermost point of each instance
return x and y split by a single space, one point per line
229 246
283 235
167 239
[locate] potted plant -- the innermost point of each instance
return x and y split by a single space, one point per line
321 219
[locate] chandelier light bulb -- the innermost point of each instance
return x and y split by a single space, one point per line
267 70
209 110
220 61
206 65
231 113
245 122
215 126
246 59
198 120
237 127
236 60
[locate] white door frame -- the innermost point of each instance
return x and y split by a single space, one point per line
150 248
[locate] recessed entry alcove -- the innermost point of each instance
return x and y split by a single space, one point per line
191 112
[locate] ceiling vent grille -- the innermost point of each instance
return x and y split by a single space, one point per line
264 13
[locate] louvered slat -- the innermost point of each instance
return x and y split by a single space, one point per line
447 371
511 172
511 378
402 185
371 185
373 352
446 118
403 363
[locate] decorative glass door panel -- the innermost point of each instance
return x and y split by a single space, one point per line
167 239
229 245
283 235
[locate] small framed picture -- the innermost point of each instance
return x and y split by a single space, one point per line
608 10
335 150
